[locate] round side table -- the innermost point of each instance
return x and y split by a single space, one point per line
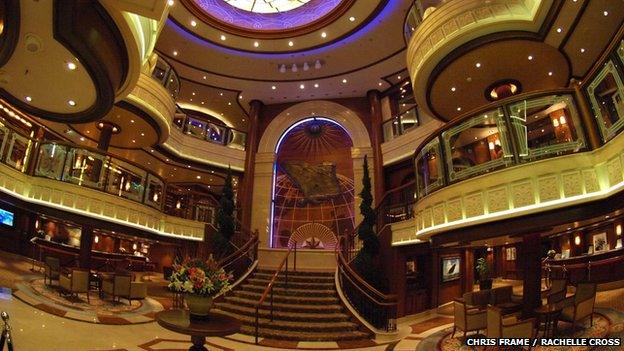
216 324
549 314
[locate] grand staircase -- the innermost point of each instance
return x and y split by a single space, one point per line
308 310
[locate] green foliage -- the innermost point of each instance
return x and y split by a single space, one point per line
483 268
225 216
366 233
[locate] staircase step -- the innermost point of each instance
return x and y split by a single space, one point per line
297 274
304 336
286 307
290 291
312 316
292 299
281 325
293 284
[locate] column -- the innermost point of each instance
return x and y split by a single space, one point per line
251 147
532 265
86 240
374 101
586 116
106 133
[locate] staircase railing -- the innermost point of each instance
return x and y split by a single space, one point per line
269 289
377 308
240 261
6 333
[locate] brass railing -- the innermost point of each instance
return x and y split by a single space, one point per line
269 289
6 333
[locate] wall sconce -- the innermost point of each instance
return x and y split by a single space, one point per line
155 197
562 120
577 240
178 204
491 145
618 230
555 123
134 246
37 224
96 239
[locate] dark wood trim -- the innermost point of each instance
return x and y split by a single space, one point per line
11 29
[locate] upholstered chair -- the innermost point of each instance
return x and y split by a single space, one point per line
581 305
52 269
76 282
468 318
557 292
499 326
122 286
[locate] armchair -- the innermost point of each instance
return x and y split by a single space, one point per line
499 327
76 282
581 305
557 292
122 286
468 318
52 269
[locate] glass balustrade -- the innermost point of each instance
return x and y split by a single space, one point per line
211 132
401 124
167 77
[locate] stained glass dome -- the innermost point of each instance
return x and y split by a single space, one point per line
267 6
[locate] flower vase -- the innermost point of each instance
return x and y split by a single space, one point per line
199 306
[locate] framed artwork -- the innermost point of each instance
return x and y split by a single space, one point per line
513 253
450 269
410 266
565 253
510 253
600 242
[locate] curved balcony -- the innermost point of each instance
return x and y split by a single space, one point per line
90 182
220 145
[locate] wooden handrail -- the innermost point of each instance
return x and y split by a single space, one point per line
269 287
360 281
240 251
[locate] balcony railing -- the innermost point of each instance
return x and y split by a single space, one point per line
167 76
412 21
211 132
515 131
401 124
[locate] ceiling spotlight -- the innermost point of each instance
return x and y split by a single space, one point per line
290 43
301 86
380 84
459 109
240 97
170 2
344 80
204 77
220 94
71 103
193 23
142 134
478 64
131 121
605 13
582 50
71 66
175 53
193 93
530 57
352 19
222 37
316 85
550 73
134 141
453 89
559 30
82 139
323 35
28 98
256 44
198 177
273 87
203 102
229 104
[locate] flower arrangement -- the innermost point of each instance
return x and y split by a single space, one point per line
203 278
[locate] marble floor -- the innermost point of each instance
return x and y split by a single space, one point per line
34 329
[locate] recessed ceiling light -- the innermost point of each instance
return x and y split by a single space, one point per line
240 97
380 84
453 89
478 64
28 98
256 44
88 132
582 50
323 35
530 57
131 121
71 103
175 53
142 134
198 177
193 23
221 94
223 37
290 43
71 66
273 87
605 13
344 80
82 139
550 73
134 141
302 86
316 85
352 19
203 102
459 109
190 99
167 160
193 93
229 104
559 30
170 2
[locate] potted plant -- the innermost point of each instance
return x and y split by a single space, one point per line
485 282
199 281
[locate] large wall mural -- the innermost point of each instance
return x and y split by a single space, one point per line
314 190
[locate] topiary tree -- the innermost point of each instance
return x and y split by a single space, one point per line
225 217
365 262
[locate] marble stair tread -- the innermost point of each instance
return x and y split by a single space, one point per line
304 336
323 308
293 284
294 325
305 273
289 298
297 276
290 291
312 315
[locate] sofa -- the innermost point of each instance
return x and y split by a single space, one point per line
123 286
500 297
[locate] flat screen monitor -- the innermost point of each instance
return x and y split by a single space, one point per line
6 217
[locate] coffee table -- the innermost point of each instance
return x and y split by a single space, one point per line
216 324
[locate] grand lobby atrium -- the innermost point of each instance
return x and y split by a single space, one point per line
383 175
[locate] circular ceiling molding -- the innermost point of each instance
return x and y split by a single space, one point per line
236 18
